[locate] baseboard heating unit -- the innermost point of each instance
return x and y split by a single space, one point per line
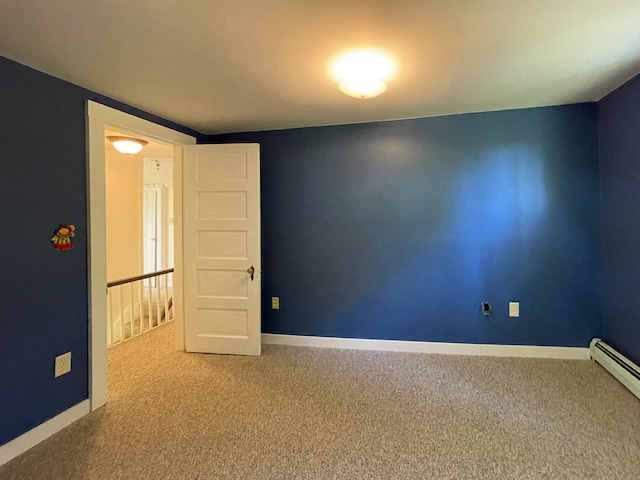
627 372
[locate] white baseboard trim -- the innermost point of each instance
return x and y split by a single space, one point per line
24 442
532 351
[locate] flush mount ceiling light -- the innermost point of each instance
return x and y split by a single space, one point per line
127 145
363 73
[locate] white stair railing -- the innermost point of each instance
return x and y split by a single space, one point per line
138 304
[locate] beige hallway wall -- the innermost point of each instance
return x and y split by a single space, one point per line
124 215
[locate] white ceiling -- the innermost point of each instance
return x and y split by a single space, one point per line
222 66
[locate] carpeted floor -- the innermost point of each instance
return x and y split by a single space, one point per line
314 413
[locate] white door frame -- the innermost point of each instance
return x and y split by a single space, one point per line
101 117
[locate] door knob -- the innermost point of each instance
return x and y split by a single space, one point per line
251 271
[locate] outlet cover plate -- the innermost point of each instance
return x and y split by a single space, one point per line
514 309
63 364
275 303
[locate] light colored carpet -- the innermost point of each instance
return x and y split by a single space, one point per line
314 413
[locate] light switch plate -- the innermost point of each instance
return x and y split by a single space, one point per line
514 309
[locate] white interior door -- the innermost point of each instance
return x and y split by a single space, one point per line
154 230
150 229
151 236
221 218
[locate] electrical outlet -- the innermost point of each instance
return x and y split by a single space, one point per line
514 309
63 364
275 303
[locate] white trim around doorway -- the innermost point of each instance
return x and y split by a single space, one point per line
101 117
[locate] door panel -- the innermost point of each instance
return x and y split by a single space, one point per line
221 242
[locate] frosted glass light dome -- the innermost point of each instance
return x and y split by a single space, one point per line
363 73
127 145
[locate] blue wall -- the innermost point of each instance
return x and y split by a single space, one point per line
619 128
43 293
398 230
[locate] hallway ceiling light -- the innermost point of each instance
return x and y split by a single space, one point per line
363 73
127 145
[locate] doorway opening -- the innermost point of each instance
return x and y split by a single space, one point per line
217 237
140 240
101 119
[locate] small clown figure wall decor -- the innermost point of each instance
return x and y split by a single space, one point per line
62 237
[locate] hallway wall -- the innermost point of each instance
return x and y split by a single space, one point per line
124 215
